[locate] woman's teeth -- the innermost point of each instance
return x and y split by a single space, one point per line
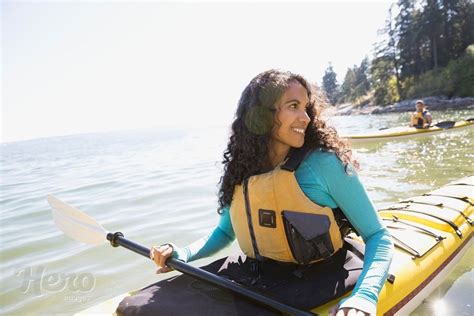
299 130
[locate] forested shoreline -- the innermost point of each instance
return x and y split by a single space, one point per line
427 50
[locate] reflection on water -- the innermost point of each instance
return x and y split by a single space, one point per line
159 186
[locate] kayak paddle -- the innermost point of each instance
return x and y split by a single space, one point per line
449 124
84 228
445 124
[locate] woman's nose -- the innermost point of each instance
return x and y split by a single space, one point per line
304 117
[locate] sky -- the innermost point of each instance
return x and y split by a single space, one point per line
97 66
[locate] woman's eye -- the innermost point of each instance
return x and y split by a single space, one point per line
293 105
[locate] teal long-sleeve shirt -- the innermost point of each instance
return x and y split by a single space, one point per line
324 180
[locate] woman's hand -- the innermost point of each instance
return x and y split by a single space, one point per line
347 312
159 255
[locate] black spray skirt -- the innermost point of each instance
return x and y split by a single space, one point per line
304 287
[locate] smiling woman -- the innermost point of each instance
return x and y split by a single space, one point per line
289 195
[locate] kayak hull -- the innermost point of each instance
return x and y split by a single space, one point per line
402 133
433 284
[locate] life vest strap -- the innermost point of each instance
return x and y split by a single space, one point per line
249 220
295 159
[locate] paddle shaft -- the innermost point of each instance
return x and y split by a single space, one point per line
117 239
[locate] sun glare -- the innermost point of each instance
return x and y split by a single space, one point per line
439 307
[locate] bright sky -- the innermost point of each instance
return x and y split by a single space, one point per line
79 67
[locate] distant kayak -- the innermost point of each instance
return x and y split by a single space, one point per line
403 132
431 233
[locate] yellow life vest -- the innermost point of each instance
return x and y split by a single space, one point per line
419 119
273 218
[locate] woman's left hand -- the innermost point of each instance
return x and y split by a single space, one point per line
347 312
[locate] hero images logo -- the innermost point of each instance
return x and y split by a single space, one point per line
36 281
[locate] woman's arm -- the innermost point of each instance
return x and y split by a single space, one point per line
348 193
219 238
429 118
377 258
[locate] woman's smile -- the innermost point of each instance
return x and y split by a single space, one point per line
299 130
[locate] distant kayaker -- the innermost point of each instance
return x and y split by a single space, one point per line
289 194
421 118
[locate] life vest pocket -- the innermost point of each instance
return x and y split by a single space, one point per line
308 236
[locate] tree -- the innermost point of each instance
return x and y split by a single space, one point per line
362 84
387 51
330 85
458 16
356 82
408 32
431 33
422 53
383 81
348 85
432 26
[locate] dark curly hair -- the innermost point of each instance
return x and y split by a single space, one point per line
247 151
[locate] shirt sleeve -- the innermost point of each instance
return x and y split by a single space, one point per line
219 238
348 193
429 117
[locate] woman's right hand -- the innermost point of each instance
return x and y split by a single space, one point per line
159 254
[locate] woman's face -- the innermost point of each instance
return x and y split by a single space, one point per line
291 119
420 107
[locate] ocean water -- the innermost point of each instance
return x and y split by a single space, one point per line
160 185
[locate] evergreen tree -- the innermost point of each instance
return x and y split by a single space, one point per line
431 33
432 27
424 52
409 44
383 81
458 32
361 84
330 85
348 85
392 51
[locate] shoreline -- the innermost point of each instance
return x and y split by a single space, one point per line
432 103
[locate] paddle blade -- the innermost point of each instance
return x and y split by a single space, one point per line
76 224
445 124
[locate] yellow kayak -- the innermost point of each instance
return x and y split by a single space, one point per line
404 132
431 233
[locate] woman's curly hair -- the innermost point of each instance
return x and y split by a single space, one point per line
247 150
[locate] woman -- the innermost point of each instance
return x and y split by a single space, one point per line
421 118
278 122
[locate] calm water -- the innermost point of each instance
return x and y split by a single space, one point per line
159 186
